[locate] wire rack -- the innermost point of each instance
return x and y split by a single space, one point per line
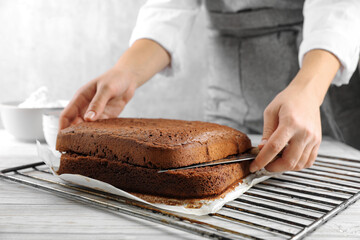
289 206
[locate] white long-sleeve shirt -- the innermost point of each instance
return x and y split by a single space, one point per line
332 25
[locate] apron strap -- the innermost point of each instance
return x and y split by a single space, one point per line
255 17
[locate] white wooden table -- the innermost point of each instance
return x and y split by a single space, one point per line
27 213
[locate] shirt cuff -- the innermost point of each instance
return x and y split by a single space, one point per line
345 49
169 26
164 39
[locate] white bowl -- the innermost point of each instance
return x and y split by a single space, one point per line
51 127
24 124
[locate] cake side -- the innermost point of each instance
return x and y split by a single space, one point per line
153 143
182 184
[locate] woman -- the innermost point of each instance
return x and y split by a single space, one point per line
254 64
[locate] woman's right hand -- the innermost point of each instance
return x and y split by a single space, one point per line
101 98
107 95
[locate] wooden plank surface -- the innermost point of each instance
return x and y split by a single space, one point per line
27 213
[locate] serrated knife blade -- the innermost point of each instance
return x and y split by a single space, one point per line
228 160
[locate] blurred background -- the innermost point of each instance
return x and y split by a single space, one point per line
64 44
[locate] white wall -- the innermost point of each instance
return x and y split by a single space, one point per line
63 44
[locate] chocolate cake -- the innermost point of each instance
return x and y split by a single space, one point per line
127 153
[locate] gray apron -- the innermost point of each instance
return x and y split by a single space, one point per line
253 52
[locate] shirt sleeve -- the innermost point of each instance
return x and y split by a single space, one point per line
168 22
333 25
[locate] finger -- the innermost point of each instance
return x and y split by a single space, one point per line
304 157
63 122
289 158
113 108
262 144
270 124
274 145
77 121
76 106
68 115
72 110
98 103
312 156
117 104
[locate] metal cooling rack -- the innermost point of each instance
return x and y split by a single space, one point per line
286 207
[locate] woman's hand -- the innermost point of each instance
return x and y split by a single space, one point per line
107 95
101 98
292 120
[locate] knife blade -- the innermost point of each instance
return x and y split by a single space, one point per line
228 160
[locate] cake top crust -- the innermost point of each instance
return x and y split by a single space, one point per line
153 143
168 132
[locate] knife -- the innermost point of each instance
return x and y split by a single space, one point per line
228 160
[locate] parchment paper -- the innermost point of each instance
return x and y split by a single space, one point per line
52 160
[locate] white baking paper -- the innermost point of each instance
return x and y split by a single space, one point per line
52 160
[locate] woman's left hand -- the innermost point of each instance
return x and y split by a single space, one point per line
292 120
